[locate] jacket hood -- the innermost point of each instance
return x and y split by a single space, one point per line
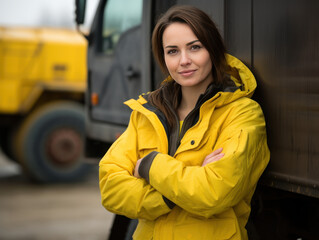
245 82
247 79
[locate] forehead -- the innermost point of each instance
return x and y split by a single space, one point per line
178 34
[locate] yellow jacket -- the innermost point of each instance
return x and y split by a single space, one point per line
177 198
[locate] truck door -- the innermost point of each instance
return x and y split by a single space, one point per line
119 59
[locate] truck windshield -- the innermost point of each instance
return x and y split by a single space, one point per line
119 16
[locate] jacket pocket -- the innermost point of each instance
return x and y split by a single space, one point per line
192 152
146 150
146 144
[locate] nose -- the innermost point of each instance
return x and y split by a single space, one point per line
185 59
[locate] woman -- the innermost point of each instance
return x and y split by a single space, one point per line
189 161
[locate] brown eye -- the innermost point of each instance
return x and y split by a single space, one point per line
195 47
172 51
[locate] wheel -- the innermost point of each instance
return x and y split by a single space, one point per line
50 143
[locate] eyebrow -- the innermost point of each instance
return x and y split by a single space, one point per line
187 44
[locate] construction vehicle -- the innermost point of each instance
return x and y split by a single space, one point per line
278 41
42 84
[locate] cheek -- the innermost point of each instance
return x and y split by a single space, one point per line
209 65
205 62
170 63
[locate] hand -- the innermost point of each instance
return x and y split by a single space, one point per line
213 157
136 174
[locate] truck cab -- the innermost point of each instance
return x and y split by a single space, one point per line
278 41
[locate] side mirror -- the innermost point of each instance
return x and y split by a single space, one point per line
80 11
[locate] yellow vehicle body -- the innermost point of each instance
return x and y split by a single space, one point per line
34 60
43 75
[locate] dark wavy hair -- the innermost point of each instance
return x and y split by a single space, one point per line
206 32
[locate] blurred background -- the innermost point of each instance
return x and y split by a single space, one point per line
39 13
49 190
66 211
60 199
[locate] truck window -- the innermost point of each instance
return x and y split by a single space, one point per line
119 16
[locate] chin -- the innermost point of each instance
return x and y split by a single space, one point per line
189 83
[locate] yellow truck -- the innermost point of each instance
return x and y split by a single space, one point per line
42 83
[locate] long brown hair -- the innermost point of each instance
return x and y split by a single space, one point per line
206 32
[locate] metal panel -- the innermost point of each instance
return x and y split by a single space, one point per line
238 29
213 8
286 61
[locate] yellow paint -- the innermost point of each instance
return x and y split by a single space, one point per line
32 60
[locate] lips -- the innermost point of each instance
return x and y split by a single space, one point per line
187 73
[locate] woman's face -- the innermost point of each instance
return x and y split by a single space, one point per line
187 60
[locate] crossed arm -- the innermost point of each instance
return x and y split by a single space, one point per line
212 157
225 177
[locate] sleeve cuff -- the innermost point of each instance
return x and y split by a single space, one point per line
168 202
145 165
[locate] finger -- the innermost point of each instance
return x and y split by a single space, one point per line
219 150
213 159
216 152
136 173
216 157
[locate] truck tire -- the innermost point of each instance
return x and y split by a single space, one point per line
50 143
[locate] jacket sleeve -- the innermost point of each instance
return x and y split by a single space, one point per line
121 192
209 190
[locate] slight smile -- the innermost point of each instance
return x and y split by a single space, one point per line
187 73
